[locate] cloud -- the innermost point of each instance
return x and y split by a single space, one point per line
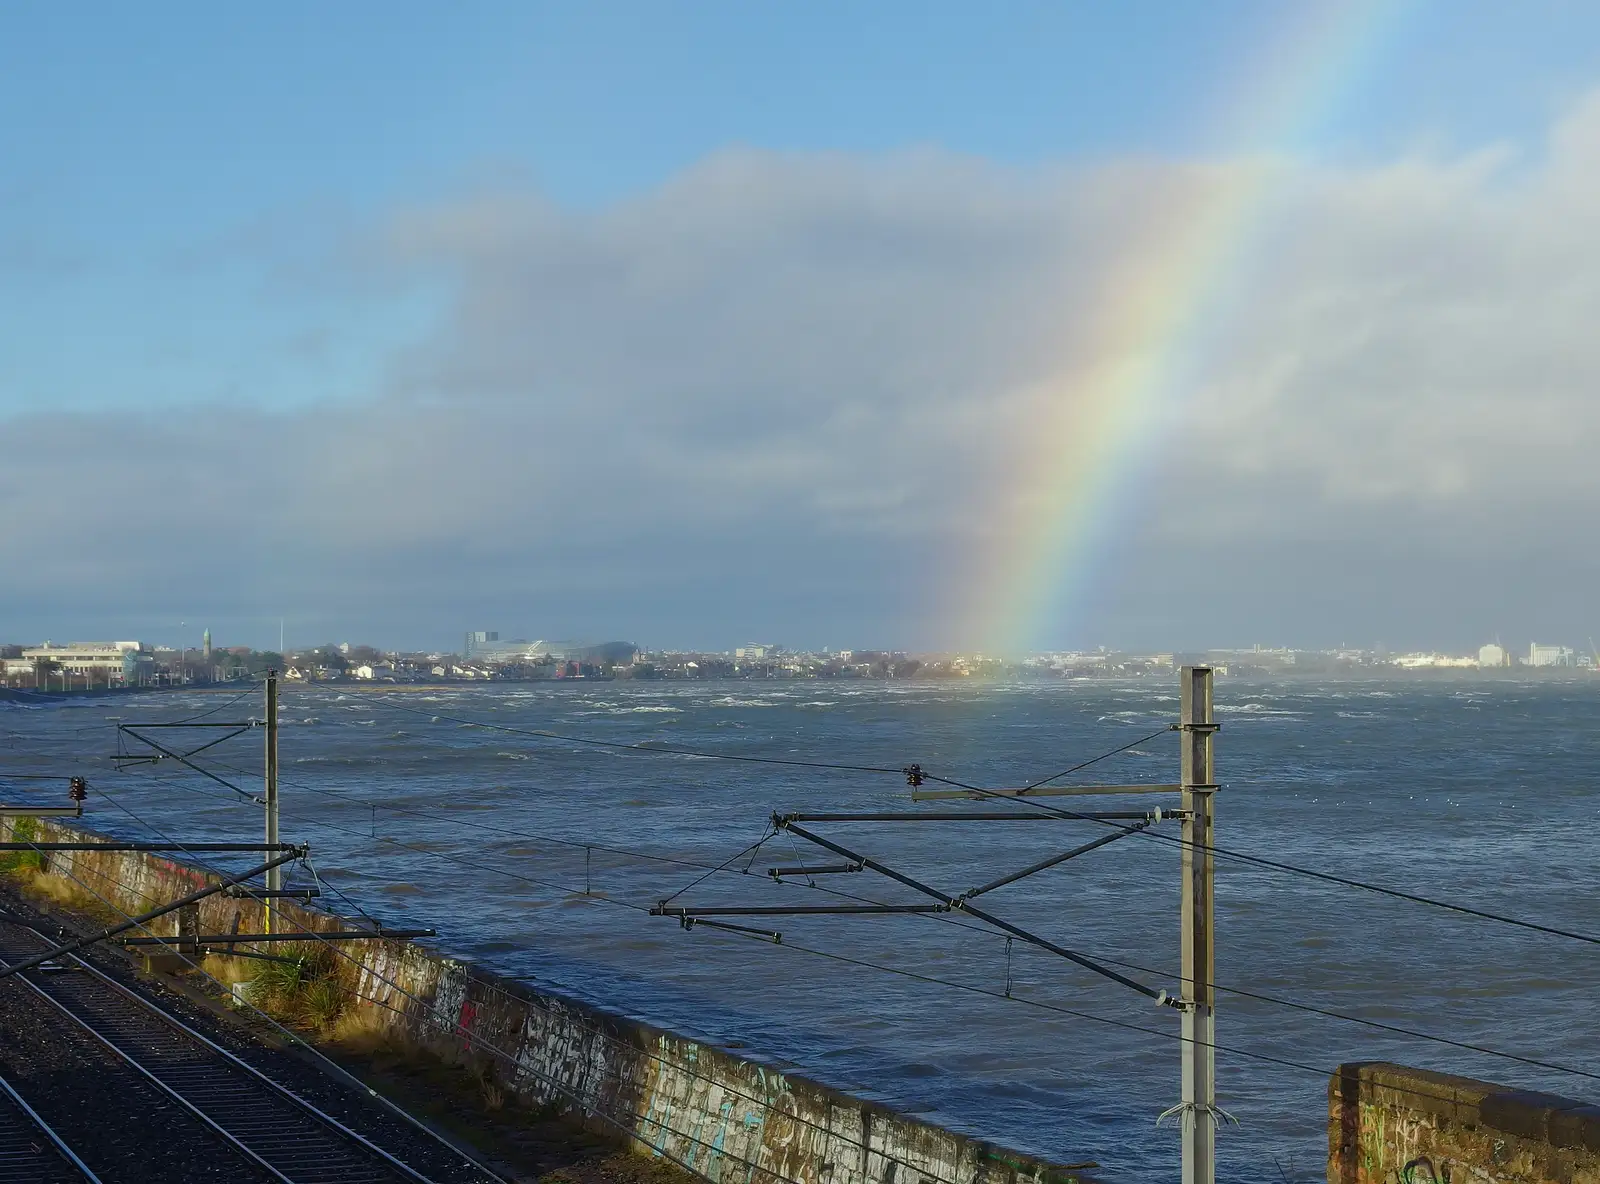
775 395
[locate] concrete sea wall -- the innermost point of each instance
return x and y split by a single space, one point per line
705 1107
1388 1124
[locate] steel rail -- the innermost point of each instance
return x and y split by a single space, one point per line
235 1066
132 1062
16 1161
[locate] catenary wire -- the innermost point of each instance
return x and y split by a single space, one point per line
1394 1029
642 746
1008 997
1241 992
221 706
1278 865
314 934
293 1038
1261 861
1259 997
1081 765
930 979
554 1083
1228 989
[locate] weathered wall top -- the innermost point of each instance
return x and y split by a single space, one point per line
1388 1124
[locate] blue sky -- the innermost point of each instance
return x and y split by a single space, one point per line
160 161
200 204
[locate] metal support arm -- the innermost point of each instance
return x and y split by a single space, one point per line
1015 931
135 922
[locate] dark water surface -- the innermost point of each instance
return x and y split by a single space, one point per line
1480 792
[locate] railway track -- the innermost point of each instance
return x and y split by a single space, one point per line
32 1153
264 1122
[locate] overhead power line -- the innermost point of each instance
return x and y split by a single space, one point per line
1081 765
1279 865
643 746
1224 852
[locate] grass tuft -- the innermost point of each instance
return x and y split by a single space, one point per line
23 830
308 992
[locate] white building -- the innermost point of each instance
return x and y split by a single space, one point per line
374 670
112 661
754 652
1549 655
1493 656
1431 661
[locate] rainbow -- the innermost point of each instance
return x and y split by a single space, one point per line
1096 428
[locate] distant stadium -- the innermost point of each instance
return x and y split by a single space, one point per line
486 648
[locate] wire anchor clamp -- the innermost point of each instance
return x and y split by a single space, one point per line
1185 1112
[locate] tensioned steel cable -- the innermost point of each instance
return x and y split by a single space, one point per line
1224 852
1262 861
726 864
477 1039
467 822
1259 997
1483 1050
254 690
1097 759
642 746
1277 865
1228 989
642 909
930 979
1227 853
392 809
1057 1008
294 1039
951 984
1394 1029
314 934
553 1082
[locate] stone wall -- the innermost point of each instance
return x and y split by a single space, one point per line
1391 1125
708 1108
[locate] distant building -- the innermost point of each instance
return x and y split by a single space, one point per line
489 650
1419 661
1549 655
114 661
754 652
205 645
479 642
1493 656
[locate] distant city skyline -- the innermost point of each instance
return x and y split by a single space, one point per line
1022 327
470 643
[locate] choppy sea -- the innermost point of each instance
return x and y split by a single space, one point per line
1484 793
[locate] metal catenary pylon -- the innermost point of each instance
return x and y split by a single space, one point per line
1197 1109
